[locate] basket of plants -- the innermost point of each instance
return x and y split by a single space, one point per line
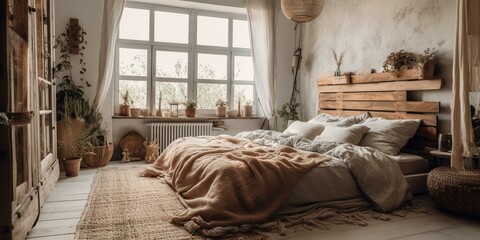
102 155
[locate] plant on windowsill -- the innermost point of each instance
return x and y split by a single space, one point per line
248 109
221 108
125 106
190 107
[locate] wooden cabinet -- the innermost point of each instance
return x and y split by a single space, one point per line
28 162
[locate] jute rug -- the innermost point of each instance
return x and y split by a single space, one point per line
122 205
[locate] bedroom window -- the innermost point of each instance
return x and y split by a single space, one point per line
175 53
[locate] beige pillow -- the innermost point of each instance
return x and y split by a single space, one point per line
389 136
331 120
337 134
306 129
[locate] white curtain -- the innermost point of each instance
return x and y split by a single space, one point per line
112 12
466 77
262 20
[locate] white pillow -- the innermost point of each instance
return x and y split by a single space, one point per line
306 129
389 136
328 119
352 135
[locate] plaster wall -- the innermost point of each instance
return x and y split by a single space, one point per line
368 31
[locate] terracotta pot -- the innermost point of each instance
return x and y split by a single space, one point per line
68 133
190 112
135 112
124 110
247 110
221 111
72 166
425 70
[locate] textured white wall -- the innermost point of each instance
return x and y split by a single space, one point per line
368 30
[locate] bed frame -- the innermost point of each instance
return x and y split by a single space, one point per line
384 95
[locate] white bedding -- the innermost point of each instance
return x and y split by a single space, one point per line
353 172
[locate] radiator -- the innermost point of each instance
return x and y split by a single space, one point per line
165 133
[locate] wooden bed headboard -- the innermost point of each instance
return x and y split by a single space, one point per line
383 95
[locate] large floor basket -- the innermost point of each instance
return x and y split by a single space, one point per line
103 154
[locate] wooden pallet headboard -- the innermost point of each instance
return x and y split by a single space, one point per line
383 95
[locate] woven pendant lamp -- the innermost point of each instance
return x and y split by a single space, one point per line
301 11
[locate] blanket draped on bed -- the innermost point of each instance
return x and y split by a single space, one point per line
225 182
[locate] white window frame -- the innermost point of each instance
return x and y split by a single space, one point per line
192 49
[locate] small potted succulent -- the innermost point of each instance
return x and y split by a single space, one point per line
125 106
190 107
426 62
221 108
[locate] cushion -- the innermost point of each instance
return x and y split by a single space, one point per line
351 135
305 129
328 119
389 136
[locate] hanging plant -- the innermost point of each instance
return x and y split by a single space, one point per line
63 69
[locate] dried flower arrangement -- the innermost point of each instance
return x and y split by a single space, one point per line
428 55
338 61
190 103
398 61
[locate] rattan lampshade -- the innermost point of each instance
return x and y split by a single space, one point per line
301 11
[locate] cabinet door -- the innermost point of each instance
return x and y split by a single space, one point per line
19 74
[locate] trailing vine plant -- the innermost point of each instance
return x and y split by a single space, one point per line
63 70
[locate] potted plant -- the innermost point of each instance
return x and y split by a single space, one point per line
338 61
98 142
221 108
248 109
426 62
190 107
74 146
125 107
398 61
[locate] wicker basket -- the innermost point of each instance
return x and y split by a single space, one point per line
455 190
103 155
301 11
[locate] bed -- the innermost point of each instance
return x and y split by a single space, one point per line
232 184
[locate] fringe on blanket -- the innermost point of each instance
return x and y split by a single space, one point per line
321 218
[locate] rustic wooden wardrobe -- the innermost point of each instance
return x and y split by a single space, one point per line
28 161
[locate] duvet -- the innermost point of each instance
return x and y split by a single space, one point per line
229 183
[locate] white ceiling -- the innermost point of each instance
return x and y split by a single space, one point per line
228 6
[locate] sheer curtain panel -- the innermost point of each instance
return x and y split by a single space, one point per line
112 12
262 21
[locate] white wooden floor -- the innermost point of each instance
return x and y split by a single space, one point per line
61 213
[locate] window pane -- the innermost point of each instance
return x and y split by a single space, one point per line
243 92
135 24
137 90
208 94
243 68
212 31
132 62
170 91
241 39
212 66
172 64
171 27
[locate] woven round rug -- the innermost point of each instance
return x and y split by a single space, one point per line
123 205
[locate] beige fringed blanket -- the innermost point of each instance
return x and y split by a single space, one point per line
226 182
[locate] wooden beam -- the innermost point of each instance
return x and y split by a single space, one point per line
427 119
406 75
372 96
430 107
390 86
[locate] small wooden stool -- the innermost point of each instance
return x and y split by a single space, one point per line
455 190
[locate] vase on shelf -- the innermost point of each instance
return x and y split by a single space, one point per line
221 111
338 72
190 112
